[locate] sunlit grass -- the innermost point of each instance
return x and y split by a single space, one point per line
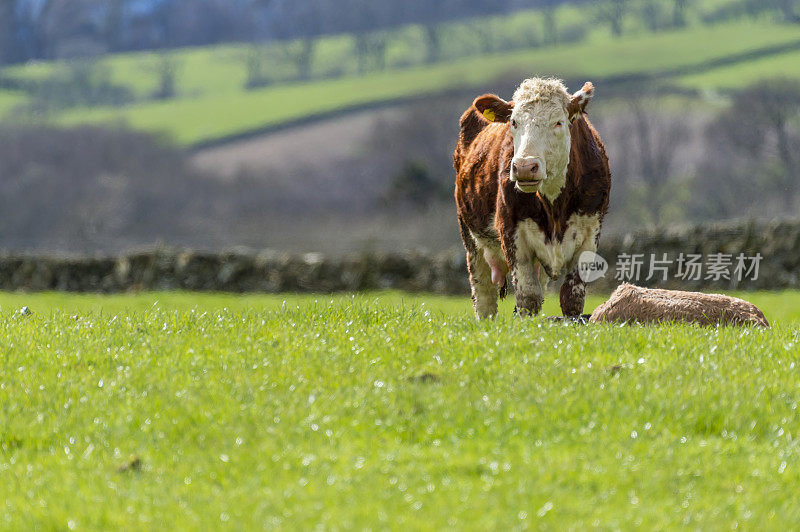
388 411
9 100
785 65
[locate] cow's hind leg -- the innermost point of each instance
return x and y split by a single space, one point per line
572 295
484 292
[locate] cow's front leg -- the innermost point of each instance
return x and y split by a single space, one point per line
527 289
572 294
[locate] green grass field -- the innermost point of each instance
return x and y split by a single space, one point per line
187 411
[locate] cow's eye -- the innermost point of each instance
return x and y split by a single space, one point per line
559 123
514 124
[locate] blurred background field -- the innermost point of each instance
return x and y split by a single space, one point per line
328 126
211 100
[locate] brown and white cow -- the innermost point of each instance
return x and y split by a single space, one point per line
532 189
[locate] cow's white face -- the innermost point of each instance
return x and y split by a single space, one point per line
540 130
539 120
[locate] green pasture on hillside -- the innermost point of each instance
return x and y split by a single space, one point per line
736 76
389 411
217 115
9 100
212 103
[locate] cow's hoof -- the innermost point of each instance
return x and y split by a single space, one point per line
582 319
526 312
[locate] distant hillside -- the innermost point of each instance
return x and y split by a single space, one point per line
207 101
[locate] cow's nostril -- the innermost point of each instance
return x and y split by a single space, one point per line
535 168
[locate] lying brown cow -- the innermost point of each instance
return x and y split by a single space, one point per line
635 304
532 189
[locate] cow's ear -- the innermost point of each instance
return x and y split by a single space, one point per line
580 100
493 108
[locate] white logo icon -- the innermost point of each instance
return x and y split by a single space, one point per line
591 266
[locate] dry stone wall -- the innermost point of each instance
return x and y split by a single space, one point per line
778 244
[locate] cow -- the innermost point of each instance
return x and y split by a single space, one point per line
532 189
635 304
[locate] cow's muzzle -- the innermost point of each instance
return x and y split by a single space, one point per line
527 173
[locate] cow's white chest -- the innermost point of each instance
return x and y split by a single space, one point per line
558 256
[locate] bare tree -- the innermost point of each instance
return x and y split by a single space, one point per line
255 68
77 82
415 187
370 50
613 13
770 107
651 14
433 42
483 34
657 142
301 53
8 29
114 28
367 21
550 23
653 153
790 10
70 30
299 25
679 13
166 68
433 15
752 153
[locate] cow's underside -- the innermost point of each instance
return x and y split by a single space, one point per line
537 258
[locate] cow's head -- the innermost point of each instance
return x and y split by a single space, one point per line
539 118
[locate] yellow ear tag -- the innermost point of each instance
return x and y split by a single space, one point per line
489 115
